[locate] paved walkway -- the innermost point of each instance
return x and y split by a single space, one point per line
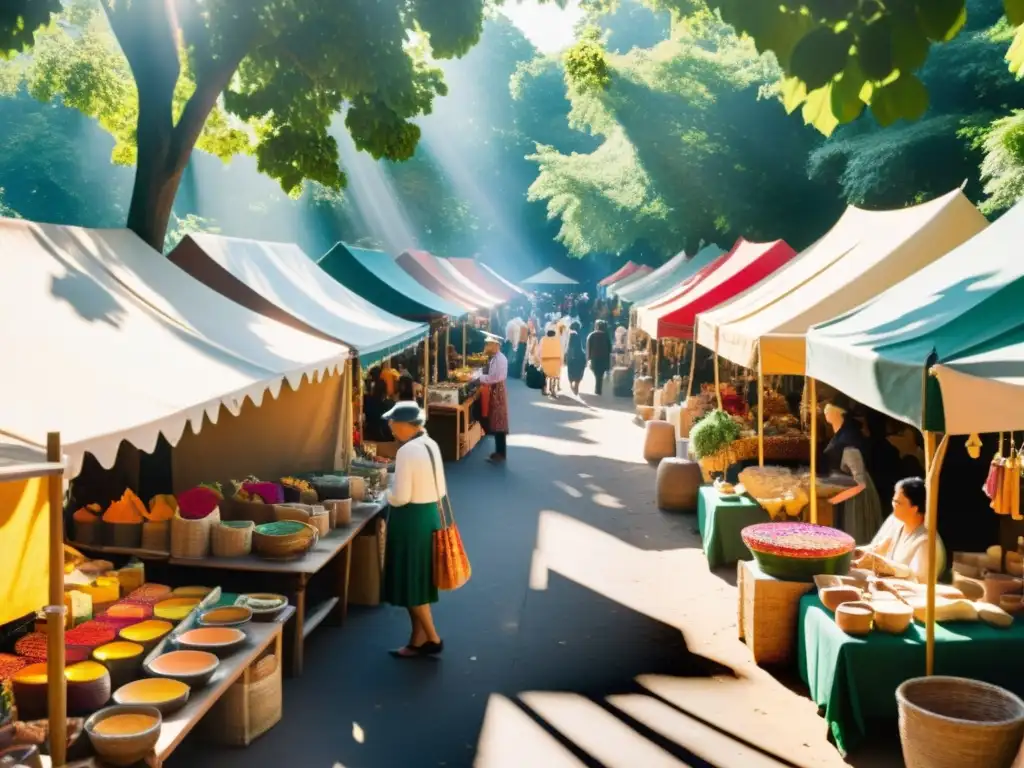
591 633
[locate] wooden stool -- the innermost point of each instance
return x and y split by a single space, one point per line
768 612
659 440
678 482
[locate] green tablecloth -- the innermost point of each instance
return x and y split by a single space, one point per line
855 678
720 522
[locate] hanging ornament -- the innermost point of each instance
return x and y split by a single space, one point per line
973 446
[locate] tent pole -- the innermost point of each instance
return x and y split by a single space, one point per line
760 411
814 449
718 385
426 369
437 371
55 614
932 472
463 342
447 340
693 369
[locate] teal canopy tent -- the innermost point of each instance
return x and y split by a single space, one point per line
665 278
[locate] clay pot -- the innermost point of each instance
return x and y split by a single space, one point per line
997 584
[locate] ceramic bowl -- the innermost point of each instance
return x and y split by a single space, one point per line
197 592
855 618
221 641
194 668
893 616
833 597
146 633
124 749
226 616
164 694
268 606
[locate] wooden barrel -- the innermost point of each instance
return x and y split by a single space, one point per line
659 440
678 483
643 390
622 382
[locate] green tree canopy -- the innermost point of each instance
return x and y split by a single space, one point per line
262 77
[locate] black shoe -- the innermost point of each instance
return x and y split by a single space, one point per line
432 649
409 651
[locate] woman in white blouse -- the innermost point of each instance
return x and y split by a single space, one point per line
414 497
900 548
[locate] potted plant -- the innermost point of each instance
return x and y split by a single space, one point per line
710 438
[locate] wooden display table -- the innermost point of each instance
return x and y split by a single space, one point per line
261 635
450 438
292 577
768 611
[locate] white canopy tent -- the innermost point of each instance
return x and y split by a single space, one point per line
549 276
108 341
279 280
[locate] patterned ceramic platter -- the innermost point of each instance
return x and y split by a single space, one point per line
797 540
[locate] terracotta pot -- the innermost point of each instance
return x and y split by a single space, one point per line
997 584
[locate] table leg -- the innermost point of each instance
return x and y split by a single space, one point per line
298 633
343 571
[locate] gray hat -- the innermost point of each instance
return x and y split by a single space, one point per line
406 412
492 338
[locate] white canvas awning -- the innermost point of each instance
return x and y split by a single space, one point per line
106 340
280 281
549 276
20 461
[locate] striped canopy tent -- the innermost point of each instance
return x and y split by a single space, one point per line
728 276
508 284
861 256
549 277
280 281
625 282
486 280
621 273
376 277
666 278
427 270
471 287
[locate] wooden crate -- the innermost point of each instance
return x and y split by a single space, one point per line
768 610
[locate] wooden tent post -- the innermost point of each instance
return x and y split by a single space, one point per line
463 342
426 370
437 370
814 449
693 369
760 411
56 683
718 385
933 469
447 341
657 350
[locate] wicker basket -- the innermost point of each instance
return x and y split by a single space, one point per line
156 536
232 538
191 538
321 521
340 512
951 722
248 710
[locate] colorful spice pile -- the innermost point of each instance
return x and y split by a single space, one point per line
149 594
797 540
90 634
198 503
32 647
128 509
9 664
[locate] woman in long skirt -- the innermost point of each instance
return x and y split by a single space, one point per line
414 498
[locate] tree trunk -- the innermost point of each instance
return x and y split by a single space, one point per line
156 184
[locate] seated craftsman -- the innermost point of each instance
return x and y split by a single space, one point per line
900 548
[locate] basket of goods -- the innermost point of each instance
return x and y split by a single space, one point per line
798 551
87 524
122 521
254 499
710 439
198 511
284 540
774 404
776 489
156 530
232 538
339 512
298 490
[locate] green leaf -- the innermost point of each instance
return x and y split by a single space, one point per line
1014 11
846 101
794 93
875 49
1015 55
904 98
832 10
942 19
819 56
817 111
910 46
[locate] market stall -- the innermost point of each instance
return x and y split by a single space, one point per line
621 273
908 353
280 281
624 283
487 279
549 278
429 271
667 278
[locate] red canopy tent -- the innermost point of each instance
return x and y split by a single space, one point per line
486 281
625 270
745 265
426 270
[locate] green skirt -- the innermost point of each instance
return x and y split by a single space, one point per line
409 555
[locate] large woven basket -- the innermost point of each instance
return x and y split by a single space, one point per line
232 538
156 536
953 722
191 538
247 710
